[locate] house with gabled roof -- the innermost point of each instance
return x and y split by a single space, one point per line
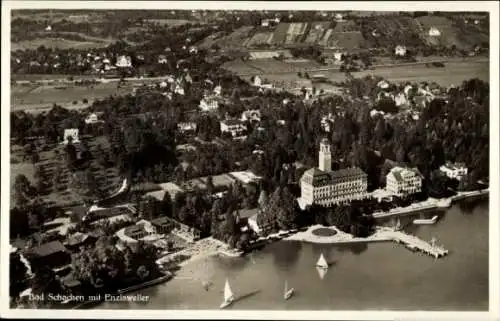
403 181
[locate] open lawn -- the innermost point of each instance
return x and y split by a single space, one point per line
454 73
57 43
170 22
35 97
35 77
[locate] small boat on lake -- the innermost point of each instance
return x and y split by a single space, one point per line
322 264
288 292
228 296
426 221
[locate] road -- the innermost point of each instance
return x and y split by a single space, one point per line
257 72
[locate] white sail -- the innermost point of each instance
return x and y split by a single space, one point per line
286 287
321 272
322 262
398 224
228 294
433 241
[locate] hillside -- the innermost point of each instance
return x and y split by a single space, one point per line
368 31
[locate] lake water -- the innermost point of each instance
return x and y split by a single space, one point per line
362 277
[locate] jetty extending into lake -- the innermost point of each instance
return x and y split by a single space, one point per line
414 243
382 234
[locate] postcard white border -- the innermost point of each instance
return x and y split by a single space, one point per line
494 253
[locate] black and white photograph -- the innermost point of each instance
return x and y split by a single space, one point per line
249 156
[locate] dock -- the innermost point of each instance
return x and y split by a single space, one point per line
413 243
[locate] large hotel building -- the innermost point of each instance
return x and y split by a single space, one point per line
325 187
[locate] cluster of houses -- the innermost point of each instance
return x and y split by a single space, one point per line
325 187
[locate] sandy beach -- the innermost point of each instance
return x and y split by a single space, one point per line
198 250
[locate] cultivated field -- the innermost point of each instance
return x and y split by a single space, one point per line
57 43
170 22
232 40
43 96
270 66
453 73
452 33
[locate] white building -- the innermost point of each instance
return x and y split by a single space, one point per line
123 62
400 100
92 119
233 126
251 115
257 81
383 84
162 59
326 122
179 90
73 133
434 32
325 187
186 126
48 28
338 55
209 104
401 181
454 170
400 50
218 91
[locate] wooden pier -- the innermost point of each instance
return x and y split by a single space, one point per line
415 244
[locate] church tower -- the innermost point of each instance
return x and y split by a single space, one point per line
325 155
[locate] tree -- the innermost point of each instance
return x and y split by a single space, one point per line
22 190
263 199
45 281
18 274
167 204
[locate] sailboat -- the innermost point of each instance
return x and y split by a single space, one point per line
398 225
228 296
322 262
288 292
433 241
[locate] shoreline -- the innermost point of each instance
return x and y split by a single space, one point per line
382 234
199 250
160 279
431 204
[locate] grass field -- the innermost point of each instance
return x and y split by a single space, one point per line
451 33
34 77
57 43
170 22
232 40
454 73
26 97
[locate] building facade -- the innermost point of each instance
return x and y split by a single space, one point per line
325 187
233 126
402 182
209 104
454 170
